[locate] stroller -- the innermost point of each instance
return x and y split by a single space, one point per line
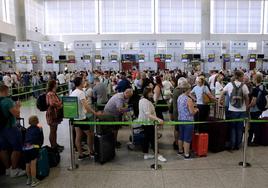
136 137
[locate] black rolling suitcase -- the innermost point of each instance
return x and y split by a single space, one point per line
104 143
263 140
104 147
218 132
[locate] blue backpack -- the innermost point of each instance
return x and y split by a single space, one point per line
262 99
42 169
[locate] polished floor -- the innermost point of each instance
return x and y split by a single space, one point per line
129 169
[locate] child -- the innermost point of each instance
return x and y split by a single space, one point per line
34 139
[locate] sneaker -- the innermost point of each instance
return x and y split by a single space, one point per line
80 158
29 181
17 173
187 157
60 147
161 158
148 156
91 155
35 183
180 154
8 171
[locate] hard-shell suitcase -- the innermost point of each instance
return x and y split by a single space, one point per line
200 144
218 135
104 145
42 164
263 140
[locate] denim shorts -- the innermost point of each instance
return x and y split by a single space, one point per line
10 139
30 155
186 132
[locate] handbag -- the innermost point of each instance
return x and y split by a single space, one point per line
163 103
206 98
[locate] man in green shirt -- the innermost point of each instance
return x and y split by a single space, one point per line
10 135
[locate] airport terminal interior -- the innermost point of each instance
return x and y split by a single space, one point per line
134 93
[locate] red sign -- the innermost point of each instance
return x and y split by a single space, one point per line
49 59
71 59
34 60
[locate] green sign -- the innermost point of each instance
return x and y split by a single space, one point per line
70 107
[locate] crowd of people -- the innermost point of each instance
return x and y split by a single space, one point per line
186 96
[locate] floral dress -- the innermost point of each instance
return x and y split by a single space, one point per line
53 115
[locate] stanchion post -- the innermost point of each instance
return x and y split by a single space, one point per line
73 164
244 163
155 166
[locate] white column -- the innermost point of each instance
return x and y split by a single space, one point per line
19 7
205 20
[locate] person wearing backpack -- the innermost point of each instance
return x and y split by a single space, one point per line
238 93
10 135
54 113
257 106
34 139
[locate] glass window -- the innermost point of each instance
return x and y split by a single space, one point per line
2 6
236 16
179 16
126 16
70 17
35 12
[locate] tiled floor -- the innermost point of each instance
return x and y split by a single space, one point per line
130 170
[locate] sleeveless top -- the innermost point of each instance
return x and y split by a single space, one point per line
183 110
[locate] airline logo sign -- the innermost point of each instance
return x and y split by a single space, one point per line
237 57
141 58
184 58
34 59
8 59
49 59
23 59
211 58
71 59
226 58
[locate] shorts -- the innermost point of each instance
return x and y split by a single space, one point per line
30 155
186 132
10 139
86 127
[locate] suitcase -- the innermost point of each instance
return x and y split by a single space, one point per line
42 169
263 133
200 144
104 146
218 135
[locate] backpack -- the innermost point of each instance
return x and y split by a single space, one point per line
262 99
41 102
237 96
42 169
3 118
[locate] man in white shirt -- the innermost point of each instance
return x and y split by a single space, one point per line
61 78
212 81
84 108
237 93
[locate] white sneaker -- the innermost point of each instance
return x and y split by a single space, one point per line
161 158
17 173
8 172
148 156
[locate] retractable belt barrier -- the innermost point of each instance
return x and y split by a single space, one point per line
41 89
156 166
